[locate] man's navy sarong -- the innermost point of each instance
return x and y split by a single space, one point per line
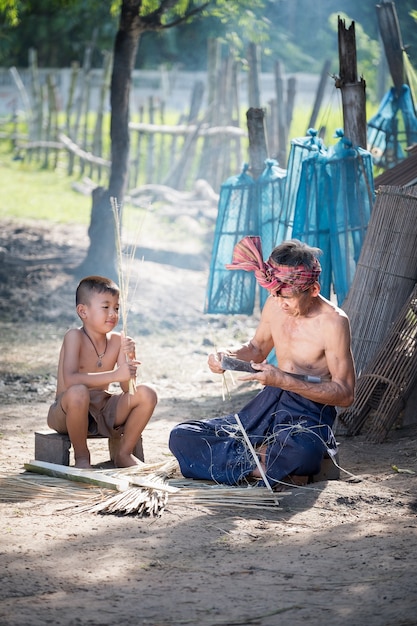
296 432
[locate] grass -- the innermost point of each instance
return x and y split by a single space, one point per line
31 193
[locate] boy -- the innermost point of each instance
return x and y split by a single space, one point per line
91 358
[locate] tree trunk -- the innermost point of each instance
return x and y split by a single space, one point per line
102 254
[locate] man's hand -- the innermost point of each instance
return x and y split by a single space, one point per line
267 374
214 362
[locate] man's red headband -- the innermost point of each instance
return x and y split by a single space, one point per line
247 255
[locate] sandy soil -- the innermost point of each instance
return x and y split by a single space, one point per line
336 552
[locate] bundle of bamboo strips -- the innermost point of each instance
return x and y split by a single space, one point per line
22 487
146 489
136 501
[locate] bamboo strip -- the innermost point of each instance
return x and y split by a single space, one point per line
93 477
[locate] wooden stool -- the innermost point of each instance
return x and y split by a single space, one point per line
328 470
54 447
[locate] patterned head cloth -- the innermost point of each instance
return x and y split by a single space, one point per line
247 255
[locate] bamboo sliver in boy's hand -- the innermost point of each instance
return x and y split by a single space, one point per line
128 347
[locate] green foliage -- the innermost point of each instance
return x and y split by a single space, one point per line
59 30
301 34
10 10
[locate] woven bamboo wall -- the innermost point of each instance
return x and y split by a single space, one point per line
386 271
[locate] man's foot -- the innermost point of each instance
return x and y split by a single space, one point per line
261 452
298 481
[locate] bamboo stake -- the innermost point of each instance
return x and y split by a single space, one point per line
256 459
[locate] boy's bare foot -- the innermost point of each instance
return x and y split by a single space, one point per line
83 462
125 460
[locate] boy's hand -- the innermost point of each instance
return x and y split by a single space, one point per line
128 346
126 371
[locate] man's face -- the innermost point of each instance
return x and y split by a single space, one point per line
293 303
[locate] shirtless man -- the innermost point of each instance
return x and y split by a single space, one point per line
91 358
289 422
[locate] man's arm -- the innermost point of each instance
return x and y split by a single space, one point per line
257 349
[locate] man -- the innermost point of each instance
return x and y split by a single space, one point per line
289 422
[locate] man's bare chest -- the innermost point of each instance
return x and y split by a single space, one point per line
299 341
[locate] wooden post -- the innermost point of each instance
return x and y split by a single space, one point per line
254 98
353 90
281 114
391 39
319 94
258 151
150 156
291 93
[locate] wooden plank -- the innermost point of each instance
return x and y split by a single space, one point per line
93 477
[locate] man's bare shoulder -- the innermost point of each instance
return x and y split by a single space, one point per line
334 321
332 309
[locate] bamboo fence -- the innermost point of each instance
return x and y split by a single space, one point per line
205 144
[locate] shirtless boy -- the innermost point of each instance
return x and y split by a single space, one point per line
289 421
91 358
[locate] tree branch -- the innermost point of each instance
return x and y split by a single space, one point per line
153 20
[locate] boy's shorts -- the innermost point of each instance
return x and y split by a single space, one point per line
101 412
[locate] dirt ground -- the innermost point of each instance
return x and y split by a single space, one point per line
335 552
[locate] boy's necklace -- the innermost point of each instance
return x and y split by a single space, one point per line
99 356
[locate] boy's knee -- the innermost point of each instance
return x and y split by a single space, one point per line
77 395
147 395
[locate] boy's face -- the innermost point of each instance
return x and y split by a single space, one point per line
102 311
